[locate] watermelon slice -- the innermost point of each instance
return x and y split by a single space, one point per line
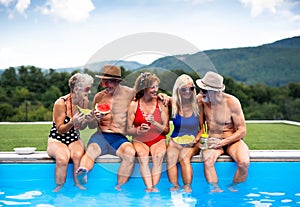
102 108
84 111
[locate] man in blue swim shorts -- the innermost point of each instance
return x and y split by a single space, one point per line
111 123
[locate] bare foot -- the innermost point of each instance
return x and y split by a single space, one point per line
174 188
215 188
81 175
151 190
233 188
118 187
80 186
187 188
57 188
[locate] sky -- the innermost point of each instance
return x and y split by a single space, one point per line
67 33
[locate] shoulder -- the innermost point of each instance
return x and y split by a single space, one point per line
231 99
199 99
60 101
99 96
233 103
126 89
161 105
133 106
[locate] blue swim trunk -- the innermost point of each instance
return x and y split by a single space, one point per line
108 142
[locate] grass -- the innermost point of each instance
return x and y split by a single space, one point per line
259 136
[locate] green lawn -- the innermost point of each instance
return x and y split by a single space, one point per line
259 136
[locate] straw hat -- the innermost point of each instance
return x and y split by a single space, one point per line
211 81
110 72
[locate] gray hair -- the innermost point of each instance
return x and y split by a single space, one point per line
79 80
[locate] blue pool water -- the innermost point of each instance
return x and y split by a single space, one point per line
268 184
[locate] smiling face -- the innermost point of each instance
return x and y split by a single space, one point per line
151 92
109 85
186 91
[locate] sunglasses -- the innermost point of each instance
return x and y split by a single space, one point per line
109 80
203 91
87 89
183 90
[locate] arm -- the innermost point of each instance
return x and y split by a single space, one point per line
59 114
201 119
164 127
85 118
92 122
238 129
130 118
238 121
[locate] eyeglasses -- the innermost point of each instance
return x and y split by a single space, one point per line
203 91
183 90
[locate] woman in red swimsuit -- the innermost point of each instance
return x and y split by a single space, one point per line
148 123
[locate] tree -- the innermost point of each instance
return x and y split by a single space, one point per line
9 78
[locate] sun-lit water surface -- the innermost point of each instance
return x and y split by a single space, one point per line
268 184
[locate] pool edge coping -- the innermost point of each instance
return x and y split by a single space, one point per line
255 156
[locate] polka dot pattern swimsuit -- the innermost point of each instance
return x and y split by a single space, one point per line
67 138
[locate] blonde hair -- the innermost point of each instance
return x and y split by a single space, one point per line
144 81
177 101
80 80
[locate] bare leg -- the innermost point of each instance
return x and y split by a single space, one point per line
210 157
87 162
186 167
172 158
61 154
77 151
240 154
127 153
157 151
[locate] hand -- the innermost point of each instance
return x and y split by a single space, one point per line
214 143
144 128
77 119
165 98
89 116
98 115
191 144
150 118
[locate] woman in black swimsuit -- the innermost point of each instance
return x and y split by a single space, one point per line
64 141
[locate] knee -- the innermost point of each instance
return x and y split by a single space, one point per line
62 160
142 154
209 163
77 155
184 161
128 154
130 151
158 158
243 164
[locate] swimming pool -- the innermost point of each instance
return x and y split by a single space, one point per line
268 184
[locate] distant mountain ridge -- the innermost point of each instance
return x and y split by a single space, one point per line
273 64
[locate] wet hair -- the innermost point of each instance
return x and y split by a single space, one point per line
80 80
144 81
177 101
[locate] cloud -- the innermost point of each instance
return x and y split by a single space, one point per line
6 2
69 10
22 5
259 6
